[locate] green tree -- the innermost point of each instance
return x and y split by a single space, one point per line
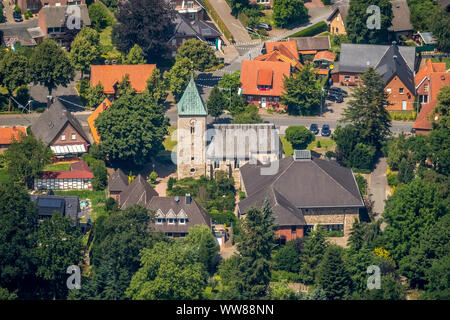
124 87
443 108
217 103
100 180
363 156
397 151
156 87
94 96
201 238
59 247
287 258
4 293
201 54
346 139
238 6
18 238
367 110
132 129
406 170
14 72
299 136
26 158
135 56
411 210
438 287
286 13
50 65
357 27
85 49
438 22
438 143
147 23
178 77
255 248
333 275
281 291
249 115
99 16
168 272
303 92
230 84
312 254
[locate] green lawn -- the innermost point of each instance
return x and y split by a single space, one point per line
446 60
287 147
168 143
106 42
57 167
325 143
97 199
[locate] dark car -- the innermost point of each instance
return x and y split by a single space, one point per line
17 16
314 128
336 90
326 130
264 26
335 97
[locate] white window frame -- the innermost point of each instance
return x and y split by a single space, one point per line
74 136
182 221
159 220
168 221
401 90
63 137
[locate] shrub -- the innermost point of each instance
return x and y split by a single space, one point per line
362 156
335 233
170 183
318 145
153 176
242 195
311 31
392 179
17 9
362 184
330 154
100 180
299 136
279 275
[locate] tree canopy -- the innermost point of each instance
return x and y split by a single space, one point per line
85 49
299 136
287 12
200 53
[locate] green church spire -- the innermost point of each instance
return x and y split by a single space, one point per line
191 103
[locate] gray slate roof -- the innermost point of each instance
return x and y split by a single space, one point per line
48 204
401 16
195 214
56 16
359 57
194 28
315 183
259 138
312 43
118 181
53 120
139 192
393 64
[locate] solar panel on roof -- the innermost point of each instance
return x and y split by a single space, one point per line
51 203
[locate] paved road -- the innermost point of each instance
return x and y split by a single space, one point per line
377 188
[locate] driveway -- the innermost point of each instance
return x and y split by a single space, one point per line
378 188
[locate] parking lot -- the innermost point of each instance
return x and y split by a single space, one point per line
333 110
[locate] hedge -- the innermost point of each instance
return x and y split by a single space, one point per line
403 115
311 31
215 16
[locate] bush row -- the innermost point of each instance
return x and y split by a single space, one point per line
311 31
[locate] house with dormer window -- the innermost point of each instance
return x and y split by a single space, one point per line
262 81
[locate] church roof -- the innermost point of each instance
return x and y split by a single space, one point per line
191 103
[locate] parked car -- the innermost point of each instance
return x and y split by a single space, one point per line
314 128
17 16
335 97
326 132
264 26
334 90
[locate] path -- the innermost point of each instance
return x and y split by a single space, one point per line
378 188
240 34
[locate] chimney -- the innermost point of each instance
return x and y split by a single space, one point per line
177 199
14 128
394 43
188 198
104 106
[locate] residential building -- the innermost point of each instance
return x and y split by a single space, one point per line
305 192
79 177
401 24
35 5
337 20
56 22
396 65
7 134
174 216
262 82
94 115
225 147
285 51
111 75
311 45
190 9
117 183
65 205
192 29
61 131
429 81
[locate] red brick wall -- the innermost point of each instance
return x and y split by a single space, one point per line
340 77
68 130
395 98
286 232
42 23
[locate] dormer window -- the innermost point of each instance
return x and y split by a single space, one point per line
159 221
171 221
181 221
264 79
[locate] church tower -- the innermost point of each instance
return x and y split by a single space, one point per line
191 134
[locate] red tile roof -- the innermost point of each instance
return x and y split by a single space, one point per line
94 115
288 48
6 134
265 77
250 77
109 75
78 170
427 69
325 55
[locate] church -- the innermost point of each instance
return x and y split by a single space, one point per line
203 149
